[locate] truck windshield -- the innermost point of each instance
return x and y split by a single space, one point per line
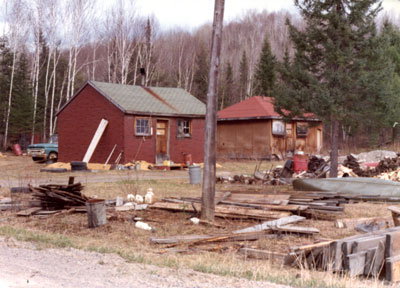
53 139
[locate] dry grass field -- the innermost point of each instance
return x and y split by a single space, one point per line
120 236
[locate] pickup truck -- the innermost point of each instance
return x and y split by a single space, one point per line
44 151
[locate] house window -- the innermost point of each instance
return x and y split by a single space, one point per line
278 127
142 126
301 129
184 128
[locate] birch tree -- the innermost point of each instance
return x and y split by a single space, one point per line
15 18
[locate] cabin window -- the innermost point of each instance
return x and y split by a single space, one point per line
301 129
142 126
184 128
278 127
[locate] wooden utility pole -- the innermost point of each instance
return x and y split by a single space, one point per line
208 192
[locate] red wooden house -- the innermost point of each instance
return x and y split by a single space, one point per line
252 129
146 123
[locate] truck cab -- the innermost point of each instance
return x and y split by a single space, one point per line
45 151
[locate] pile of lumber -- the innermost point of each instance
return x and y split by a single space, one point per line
256 232
57 197
374 254
267 205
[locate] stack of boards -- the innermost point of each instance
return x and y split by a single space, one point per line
372 254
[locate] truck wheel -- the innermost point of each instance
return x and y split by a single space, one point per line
52 157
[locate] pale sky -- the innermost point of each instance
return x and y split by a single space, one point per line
193 13
190 14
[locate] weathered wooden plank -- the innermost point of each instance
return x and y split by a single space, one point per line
222 197
392 267
293 208
352 222
273 257
356 263
392 244
29 212
274 223
296 229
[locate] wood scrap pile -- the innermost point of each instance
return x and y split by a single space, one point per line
388 168
352 163
314 164
316 205
374 254
252 233
57 197
271 177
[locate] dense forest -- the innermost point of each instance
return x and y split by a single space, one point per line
50 48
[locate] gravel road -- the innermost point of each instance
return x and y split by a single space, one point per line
22 265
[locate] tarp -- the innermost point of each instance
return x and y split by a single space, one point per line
349 185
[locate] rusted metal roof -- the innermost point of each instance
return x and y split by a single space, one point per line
256 107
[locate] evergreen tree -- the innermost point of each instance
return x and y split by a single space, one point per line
21 109
201 74
243 77
389 40
6 59
332 74
227 87
264 78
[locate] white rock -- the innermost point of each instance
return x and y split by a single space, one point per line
195 220
142 225
130 197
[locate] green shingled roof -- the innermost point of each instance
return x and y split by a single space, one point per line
154 100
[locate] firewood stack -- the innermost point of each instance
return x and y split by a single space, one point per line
314 163
57 197
388 165
352 163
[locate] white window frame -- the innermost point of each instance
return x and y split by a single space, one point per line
185 130
278 127
139 124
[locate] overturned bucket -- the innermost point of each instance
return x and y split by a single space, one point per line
195 174
96 210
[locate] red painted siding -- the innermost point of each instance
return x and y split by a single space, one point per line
177 146
78 122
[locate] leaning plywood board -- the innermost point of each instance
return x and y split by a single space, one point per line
393 244
356 263
95 140
393 269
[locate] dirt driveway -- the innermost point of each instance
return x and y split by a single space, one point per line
22 265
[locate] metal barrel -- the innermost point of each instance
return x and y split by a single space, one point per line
195 174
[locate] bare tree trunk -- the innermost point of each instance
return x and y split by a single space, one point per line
208 189
53 92
46 96
36 88
334 148
10 97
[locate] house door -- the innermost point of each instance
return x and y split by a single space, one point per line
289 137
319 140
162 137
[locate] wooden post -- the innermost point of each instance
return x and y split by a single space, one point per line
208 189
334 148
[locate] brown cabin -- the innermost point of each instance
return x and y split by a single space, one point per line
252 129
145 123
